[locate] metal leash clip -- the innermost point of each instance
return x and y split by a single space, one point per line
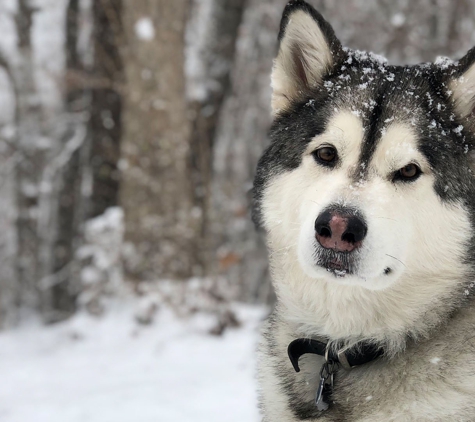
325 385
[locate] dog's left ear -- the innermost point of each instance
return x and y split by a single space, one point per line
308 51
462 87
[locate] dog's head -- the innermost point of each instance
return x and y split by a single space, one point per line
368 178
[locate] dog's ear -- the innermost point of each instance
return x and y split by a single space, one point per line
462 88
308 51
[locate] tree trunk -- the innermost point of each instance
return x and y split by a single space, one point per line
30 164
156 191
241 138
211 42
89 181
9 155
105 124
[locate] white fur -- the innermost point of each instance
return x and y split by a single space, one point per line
303 45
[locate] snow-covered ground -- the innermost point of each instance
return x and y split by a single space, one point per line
113 369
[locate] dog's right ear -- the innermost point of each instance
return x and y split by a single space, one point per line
308 51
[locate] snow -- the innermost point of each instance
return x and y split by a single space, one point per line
198 32
398 20
443 62
48 34
375 59
86 32
144 29
102 249
115 369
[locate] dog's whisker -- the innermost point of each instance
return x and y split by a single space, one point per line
386 218
282 249
315 202
397 259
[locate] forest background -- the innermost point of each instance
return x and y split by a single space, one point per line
130 132
129 136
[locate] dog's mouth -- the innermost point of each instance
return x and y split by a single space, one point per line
341 264
338 269
338 263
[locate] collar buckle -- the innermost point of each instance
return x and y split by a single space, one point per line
343 360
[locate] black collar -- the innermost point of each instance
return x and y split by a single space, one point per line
347 357
336 355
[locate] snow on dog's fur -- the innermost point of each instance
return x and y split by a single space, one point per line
397 162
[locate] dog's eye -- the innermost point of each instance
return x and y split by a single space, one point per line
326 156
408 173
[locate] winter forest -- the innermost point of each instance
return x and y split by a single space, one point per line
129 135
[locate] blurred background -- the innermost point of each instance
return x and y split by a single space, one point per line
132 280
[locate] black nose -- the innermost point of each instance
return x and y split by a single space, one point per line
341 229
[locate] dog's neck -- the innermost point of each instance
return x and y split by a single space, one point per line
320 308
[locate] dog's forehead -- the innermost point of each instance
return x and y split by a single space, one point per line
374 90
394 145
397 107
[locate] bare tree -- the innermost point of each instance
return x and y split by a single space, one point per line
156 190
89 179
211 40
241 138
9 289
105 125
61 290
30 164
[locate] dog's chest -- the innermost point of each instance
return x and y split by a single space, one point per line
423 384
424 389
431 380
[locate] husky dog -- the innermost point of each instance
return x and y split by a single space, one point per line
367 196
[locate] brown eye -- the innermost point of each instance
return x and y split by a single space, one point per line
408 173
326 155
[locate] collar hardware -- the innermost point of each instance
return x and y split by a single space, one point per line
325 385
343 359
346 357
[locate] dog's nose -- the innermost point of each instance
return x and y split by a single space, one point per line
340 230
